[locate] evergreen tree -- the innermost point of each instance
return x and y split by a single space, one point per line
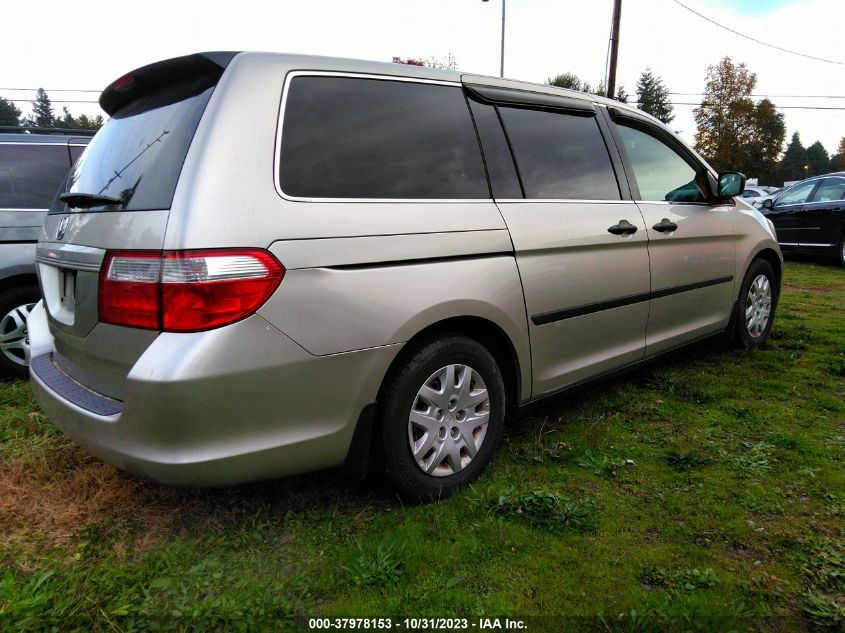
837 161
567 80
818 159
601 90
571 81
766 142
794 158
9 114
42 111
653 97
621 95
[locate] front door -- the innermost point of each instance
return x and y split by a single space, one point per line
787 214
825 211
690 238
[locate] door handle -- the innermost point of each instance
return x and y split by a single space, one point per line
623 228
665 226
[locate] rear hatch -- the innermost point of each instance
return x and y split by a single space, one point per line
118 197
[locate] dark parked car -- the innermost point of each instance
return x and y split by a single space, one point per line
33 163
809 216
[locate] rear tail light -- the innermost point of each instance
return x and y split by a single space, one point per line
185 291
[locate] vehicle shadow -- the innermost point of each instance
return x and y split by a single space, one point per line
63 492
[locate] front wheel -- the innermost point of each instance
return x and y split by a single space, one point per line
441 416
840 252
755 309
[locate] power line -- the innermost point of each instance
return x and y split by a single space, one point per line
698 94
753 39
51 101
690 103
52 89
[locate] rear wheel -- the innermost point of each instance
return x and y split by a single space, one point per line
755 309
15 304
441 416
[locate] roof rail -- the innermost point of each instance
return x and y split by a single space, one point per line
19 129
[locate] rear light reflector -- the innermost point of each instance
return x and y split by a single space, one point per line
185 291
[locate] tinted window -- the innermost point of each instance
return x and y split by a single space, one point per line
661 173
30 174
497 155
560 155
798 194
138 154
831 189
76 152
750 193
368 138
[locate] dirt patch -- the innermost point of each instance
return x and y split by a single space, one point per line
51 498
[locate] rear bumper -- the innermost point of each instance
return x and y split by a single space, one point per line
236 404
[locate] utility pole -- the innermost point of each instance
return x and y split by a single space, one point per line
502 54
614 48
502 49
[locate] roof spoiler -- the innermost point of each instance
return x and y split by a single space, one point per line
205 68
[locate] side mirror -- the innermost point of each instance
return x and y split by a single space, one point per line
731 183
768 203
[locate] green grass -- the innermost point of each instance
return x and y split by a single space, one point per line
704 493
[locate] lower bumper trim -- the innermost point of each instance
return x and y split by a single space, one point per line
72 391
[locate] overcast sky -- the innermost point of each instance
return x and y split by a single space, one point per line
93 43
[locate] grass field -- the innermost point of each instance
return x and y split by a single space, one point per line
706 492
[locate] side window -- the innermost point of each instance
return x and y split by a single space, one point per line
75 152
831 189
796 195
346 137
560 155
497 155
661 173
30 174
750 193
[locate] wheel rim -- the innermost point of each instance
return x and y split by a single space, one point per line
759 306
14 338
448 420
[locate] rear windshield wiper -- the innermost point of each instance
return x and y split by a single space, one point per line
88 200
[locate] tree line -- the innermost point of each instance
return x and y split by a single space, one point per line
43 115
732 131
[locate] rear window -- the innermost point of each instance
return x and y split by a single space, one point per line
369 138
30 174
138 154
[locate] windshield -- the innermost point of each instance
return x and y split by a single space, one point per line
138 154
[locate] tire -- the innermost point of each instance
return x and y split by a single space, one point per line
455 429
15 304
840 252
755 308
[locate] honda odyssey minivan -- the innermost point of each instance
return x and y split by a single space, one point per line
267 264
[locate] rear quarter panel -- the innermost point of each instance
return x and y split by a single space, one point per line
356 271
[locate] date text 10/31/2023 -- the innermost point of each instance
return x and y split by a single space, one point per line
417 624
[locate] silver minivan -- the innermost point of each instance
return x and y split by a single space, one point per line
267 264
